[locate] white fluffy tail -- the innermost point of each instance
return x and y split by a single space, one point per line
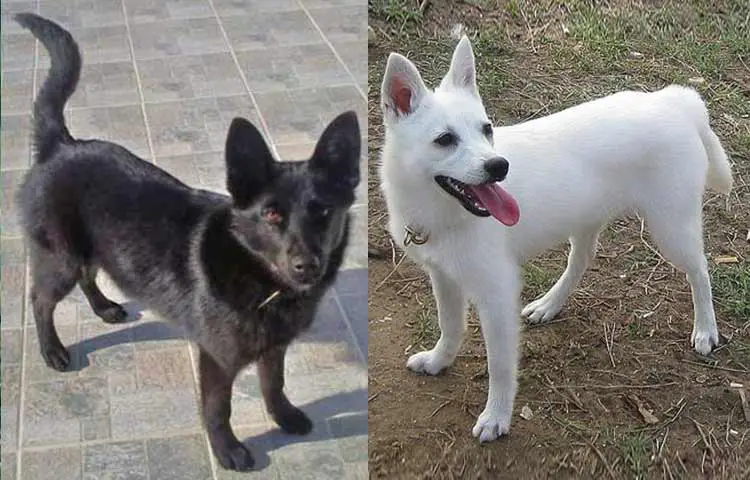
719 176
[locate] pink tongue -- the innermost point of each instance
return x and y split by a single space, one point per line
498 202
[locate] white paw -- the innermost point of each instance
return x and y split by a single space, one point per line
703 342
491 424
427 362
542 310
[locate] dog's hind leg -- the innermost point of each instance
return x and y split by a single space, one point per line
582 252
106 309
271 373
679 237
53 276
451 317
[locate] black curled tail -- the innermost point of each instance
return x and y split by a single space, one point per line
61 81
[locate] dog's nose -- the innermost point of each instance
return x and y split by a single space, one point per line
306 267
496 168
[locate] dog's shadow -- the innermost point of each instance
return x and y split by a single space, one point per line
342 414
336 416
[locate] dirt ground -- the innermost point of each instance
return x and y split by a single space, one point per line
614 387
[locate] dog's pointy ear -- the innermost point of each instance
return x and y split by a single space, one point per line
462 73
403 89
335 161
249 161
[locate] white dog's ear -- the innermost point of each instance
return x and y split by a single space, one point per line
403 89
463 72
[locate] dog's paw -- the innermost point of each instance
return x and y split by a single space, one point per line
294 421
235 456
542 310
427 362
113 314
57 357
703 342
491 425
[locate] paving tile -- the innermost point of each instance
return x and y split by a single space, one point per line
355 307
164 369
350 432
83 13
146 11
342 23
270 30
247 402
354 55
184 167
177 37
331 392
52 464
15 141
11 308
104 84
308 461
299 116
197 125
11 388
310 358
212 171
8 467
284 68
98 44
151 413
356 252
253 7
295 151
179 458
12 343
16 91
95 428
54 410
356 471
13 251
9 9
122 125
329 325
18 52
116 460
181 77
351 282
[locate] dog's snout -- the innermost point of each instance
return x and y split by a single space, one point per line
306 267
496 168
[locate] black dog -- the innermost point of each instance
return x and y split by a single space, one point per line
242 275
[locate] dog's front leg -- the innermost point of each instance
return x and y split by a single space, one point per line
216 399
451 317
271 372
498 308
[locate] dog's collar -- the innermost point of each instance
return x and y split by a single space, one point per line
414 236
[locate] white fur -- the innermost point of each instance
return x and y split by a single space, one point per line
571 173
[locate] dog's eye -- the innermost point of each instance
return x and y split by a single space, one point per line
272 215
487 129
319 211
446 139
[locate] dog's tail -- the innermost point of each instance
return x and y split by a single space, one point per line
719 177
62 78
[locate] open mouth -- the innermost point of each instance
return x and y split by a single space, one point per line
484 200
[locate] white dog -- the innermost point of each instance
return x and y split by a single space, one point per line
566 176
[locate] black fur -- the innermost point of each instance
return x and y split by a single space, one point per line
202 260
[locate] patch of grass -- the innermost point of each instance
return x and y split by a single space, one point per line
426 330
537 280
732 289
402 12
635 451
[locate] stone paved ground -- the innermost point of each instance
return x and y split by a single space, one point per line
164 78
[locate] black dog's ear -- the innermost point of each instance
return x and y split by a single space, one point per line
249 161
335 162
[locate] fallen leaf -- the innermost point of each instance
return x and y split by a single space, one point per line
648 417
526 412
726 259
